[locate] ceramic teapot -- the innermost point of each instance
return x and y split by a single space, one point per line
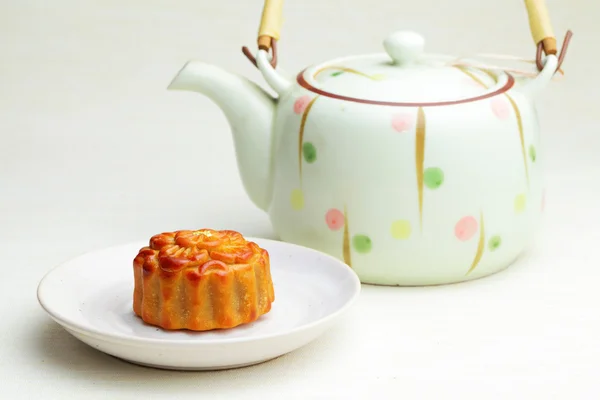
410 168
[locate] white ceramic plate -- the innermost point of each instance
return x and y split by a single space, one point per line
91 297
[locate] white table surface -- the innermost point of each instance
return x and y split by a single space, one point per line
91 140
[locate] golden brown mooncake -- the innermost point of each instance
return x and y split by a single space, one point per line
201 280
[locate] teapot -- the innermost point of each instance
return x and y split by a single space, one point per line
412 168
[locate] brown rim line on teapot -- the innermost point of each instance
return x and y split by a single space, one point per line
408 166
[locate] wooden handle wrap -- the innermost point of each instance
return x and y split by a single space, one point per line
270 23
540 26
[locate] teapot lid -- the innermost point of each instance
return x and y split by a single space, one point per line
403 76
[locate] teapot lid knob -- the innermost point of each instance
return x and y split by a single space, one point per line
404 47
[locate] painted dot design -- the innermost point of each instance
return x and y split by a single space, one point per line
337 73
297 199
362 243
433 177
334 219
301 103
532 153
466 228
401 229
520 203
309 151
402 122
494 242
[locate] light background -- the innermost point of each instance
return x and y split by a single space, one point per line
94 151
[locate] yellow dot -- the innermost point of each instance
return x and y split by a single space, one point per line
400 229
520 202
297 199
378 77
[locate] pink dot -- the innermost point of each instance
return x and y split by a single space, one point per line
500 107
466 228
301 104
334 219
402 122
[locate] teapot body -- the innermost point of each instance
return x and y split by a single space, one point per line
408 195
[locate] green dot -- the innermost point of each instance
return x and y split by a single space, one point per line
310 152
532 153
433 177
337 73
362 243
494 242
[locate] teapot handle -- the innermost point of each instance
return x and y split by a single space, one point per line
539 25
268 31
542 33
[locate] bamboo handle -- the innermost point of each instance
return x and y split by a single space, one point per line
270 23
540 25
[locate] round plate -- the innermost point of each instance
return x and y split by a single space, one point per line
91 297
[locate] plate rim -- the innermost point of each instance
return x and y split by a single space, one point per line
68 323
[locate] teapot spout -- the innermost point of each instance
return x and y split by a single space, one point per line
249 110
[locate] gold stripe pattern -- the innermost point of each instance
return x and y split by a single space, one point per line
420 157
346 244
515 109
471 75
301 134
349 70
480 245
